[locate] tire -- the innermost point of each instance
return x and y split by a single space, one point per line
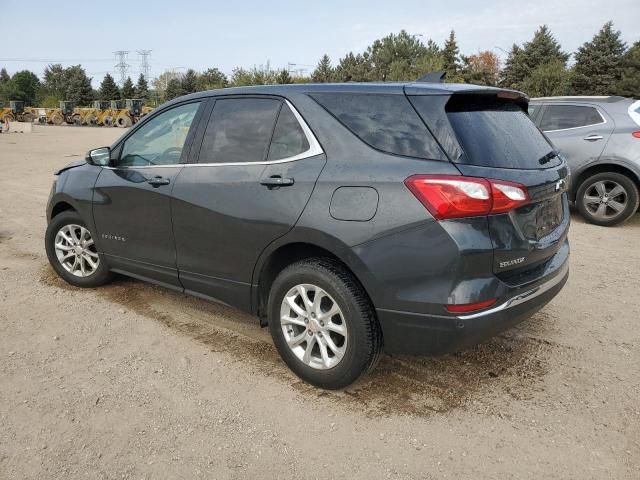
90 119
108 121
76 119
57 119
28 117
359 351
597 206
123 121
98 275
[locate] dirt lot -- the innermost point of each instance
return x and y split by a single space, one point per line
133 381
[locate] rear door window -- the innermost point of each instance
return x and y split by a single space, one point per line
239 130
562 117
385 122
500 134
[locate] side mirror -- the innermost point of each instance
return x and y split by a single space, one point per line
99 156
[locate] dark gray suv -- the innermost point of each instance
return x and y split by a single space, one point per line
600 139
351 219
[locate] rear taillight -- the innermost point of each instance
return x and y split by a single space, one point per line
636 134
452 196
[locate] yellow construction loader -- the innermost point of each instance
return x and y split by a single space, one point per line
17 112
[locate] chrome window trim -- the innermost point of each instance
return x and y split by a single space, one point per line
313 150
604 120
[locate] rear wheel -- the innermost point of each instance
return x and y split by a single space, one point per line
72 252
607 198
323 324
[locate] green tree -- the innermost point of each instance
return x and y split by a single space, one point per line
189 82
109 89
55 80
629 83
395 57
599 63
142 88
324 71
174 89
23 86
127 90
451 58
4 76
354 68
283 77
513 72
547 80
78 86
210 79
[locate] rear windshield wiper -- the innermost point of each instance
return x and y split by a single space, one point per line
547 158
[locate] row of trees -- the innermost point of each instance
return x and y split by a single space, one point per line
603 66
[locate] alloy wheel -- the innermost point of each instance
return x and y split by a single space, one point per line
76 250
605 199
313 326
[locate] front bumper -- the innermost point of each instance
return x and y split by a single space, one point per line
423 334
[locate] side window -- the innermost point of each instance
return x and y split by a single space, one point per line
561 117
239 130
160 140
288 137
385 122
532 110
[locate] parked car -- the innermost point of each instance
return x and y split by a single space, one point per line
600 139
351 219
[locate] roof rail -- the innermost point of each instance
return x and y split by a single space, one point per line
432 77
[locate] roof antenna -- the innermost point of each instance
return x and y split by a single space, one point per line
433 77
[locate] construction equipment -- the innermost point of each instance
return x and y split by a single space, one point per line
101 108
116 106
17 112
64 114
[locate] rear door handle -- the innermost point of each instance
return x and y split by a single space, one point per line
155 182
593 138
276 181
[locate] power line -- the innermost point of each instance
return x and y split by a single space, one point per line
122 66
144 62
54 60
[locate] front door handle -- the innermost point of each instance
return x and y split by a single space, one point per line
156 182
593 138
276 181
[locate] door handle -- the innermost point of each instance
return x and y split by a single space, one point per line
593 138
276 181
155 182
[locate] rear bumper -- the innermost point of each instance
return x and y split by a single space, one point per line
424 334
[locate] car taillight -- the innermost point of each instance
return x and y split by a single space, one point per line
636 134
470 307
451 196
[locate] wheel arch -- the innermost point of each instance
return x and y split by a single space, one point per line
603 167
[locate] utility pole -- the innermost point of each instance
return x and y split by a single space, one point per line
122 66
144 63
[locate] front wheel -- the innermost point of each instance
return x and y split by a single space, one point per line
607 199
322 323
72 252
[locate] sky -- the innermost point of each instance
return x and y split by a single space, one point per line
201 34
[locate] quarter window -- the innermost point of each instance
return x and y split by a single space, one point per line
561 117
288 139
239 130
160 140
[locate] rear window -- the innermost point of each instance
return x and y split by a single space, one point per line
500 134
385 122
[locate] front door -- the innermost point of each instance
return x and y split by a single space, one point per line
132 199
258 164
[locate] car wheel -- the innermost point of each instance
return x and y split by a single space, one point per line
607 199
72 252
323 324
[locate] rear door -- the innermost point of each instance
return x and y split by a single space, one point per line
256 168
579 132
493 137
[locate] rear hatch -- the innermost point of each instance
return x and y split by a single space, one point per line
487 133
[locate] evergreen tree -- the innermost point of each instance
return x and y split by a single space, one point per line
142 88
78 86
174 89
354 68
323 72
55 80
108 89
394 57
4 76
189 82
210 79
127 90
451 57
283 77
547 80
513 72
599 63
629 83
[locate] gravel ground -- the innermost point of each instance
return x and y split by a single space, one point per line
134 381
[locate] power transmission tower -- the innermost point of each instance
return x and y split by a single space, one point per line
145 67
122 66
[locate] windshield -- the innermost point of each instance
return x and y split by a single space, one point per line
500 134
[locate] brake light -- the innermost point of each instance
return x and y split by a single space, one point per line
452 196
636 134
470 307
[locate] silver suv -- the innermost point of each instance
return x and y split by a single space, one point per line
600 139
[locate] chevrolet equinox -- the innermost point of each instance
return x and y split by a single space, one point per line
350 219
